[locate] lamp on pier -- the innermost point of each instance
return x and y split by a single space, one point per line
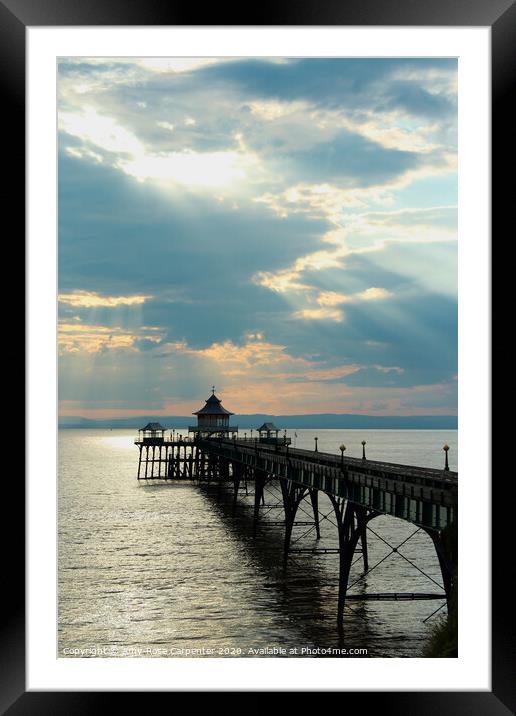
316 439
446 448
342 448
363 449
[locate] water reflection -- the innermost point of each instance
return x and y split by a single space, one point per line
172 564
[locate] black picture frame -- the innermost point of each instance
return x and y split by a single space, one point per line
15 17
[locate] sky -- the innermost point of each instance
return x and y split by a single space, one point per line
282 229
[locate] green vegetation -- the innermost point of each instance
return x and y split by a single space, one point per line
442 642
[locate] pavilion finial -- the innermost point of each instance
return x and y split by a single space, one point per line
213 390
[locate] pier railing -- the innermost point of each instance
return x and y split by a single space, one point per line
401 471
425 496
166 440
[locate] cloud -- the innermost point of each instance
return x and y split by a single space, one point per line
205 169
275 226
347 160
310 120
333 298
320 314
364 233
329 299
337 83
91 299
245 373
84 338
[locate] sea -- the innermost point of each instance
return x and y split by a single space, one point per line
174 570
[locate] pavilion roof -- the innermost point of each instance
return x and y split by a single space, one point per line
213 406
153 426
268 427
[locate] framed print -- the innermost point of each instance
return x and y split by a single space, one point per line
256 223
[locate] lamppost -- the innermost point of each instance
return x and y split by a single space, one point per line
251 433
363 449
446 448
245 436
342 448
316 439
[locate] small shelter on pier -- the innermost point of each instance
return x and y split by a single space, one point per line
151 434
269 433
213 419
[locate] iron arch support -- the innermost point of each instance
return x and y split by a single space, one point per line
445 545
349 529
292 495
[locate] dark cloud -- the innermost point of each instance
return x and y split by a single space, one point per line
195 256
348 160
219 96
332 83
110 224
416 100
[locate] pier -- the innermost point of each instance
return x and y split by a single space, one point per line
359 489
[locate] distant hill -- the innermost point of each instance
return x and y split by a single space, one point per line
290 422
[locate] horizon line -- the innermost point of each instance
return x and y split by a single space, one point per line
283 415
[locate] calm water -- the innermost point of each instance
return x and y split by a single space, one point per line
168 567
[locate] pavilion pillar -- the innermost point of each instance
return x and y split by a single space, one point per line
140 460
